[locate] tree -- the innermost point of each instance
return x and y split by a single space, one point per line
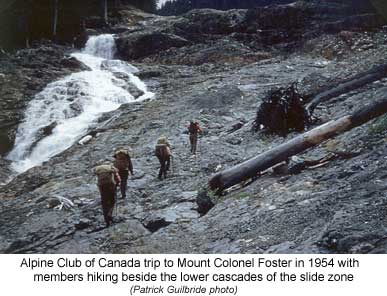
55 22
25 20
105 11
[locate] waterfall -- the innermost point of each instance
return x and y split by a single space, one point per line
102 46
59 115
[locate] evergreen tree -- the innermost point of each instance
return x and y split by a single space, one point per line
25 20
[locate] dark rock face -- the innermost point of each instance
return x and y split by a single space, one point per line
142 44
197 24
199 36
73 63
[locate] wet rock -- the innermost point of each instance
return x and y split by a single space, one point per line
73 63
134 91
114 65
47 130
42 133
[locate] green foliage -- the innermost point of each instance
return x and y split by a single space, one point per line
380 125
242 195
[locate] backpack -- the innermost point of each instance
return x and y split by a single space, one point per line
192 128
105 174
162 150
122 159
162 141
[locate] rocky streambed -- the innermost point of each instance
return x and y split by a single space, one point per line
217 76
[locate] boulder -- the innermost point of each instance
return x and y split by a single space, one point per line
73 63
133 90
141 44
205 201
197 24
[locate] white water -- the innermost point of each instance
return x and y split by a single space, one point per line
73 104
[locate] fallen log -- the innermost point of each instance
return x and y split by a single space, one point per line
252 167
348 85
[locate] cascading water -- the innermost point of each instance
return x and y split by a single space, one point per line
59 115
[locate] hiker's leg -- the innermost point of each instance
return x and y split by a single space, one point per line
112 202
161 167
195 143
168 163
105 204
124 174
164 169
191 140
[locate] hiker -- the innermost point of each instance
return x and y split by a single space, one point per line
108 180
123 163
163 153
194 129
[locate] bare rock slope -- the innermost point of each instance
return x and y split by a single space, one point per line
218 76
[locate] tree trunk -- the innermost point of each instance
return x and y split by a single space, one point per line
355 82
251 168
105 11
55 23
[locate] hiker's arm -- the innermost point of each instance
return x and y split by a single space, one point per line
117 178
130 165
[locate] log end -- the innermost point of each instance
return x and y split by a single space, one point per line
215 184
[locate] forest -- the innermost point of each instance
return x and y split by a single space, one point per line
23 21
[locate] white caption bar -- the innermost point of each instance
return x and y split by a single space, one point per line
191 274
